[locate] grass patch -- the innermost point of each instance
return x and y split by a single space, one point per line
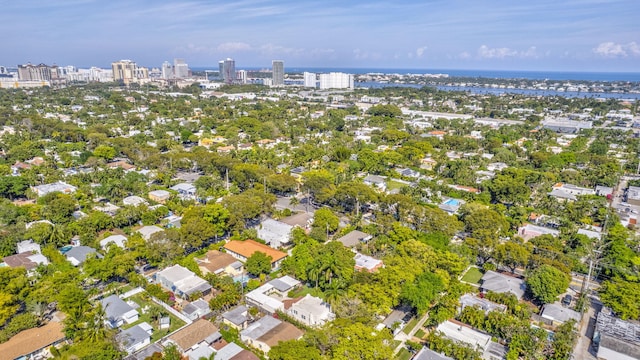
304 291
410 325
473 275
392 185
404 354
420 334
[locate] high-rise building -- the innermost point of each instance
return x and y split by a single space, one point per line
221 69
277 69
180 69
40 72
310 79
127 71
241 76
167 70
336 80
229 71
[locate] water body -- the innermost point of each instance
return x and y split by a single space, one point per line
492 74
530 92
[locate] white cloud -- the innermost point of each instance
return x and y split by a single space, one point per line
610 49
420 51
495 53
231 47
464 55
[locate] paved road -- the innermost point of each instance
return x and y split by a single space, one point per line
583 349
285 203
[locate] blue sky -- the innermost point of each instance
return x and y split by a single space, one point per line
563 35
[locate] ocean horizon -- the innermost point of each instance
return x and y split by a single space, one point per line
491 74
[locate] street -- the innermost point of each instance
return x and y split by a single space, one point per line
583 349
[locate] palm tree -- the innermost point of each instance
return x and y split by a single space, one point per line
38 309
95 331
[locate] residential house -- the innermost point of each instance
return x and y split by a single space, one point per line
118 240
558 314
633 195
42 190
562 195
78 254
427 354
118 312
376 181
134 201
270 297
428 163
237 318
268 332
501 283
594 232
28 246
147 231
529 231
616 339
302 220
465 334
196 309
354 238
604 190
497 166
573 189
186 190
146 352
242 250
121 164
217 262
200 334
275 233
481 303
233 351
367 263
182 281
33 343
406 172
107 208
309 310
397 319
225 149
468 189
27 260
135 338
159 196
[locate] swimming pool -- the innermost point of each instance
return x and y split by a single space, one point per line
65 249
452 202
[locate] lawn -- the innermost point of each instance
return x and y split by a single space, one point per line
391 185
420 334
404 354
146 317
473 275
410 325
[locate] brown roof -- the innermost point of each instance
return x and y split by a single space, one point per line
283 332
245 355
215 260
19 260
301 219
193 334
121 164
248 247
28 341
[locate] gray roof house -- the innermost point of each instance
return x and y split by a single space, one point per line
559 314
42 190
196 309
78 254
147 231
118 240
118 312
354 238
182 281
481 303
377 181
501 283
237 317
427 354
135 338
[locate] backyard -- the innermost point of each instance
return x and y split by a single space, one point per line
150 313
472 276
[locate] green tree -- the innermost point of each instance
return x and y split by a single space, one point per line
546 283
422 293
293 350
623 297
258 263
104 152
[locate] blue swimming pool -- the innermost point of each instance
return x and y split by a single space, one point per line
452 202
65 249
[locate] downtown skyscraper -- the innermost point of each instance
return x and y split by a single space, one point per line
277 69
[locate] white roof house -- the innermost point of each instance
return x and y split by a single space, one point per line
559 314
118 312
182 282
311 311
42 190
28 246
500 283
147 231
269 297
368 263
134 201
275 233
119 240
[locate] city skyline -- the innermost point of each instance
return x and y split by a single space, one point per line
576 35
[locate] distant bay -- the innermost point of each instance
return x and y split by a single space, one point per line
492 74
